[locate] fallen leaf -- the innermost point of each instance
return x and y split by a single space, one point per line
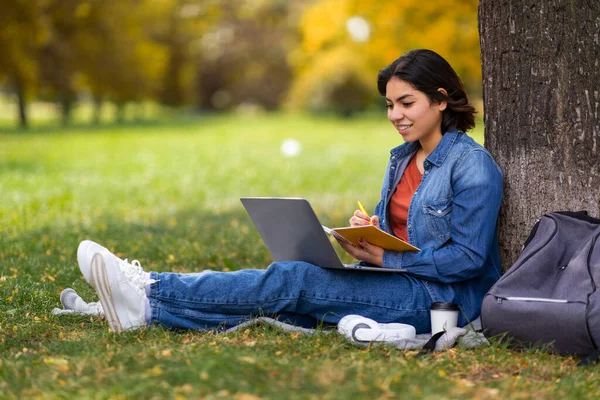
246 396
156 371
187 388
55 361
63 368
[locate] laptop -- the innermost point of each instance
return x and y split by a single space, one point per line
292 232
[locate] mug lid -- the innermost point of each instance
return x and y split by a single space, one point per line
438 305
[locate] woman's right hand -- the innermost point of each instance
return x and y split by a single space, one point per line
360 219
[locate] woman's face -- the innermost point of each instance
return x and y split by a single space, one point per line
411 113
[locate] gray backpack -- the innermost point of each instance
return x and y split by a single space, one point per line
549 297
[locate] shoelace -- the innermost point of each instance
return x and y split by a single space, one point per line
133 272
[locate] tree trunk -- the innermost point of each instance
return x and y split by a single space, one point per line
22 104
66 106
97 110
541 85
139 111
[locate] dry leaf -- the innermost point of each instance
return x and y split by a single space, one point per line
156 371
246 396
55 361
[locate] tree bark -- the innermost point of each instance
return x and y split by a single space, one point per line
541 89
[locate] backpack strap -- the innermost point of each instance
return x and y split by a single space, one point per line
582 215
430 345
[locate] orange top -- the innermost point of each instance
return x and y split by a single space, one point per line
400 201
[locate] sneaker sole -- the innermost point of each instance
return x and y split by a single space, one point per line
99 280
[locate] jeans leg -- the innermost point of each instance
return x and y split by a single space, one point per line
224 299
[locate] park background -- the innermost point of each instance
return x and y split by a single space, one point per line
139 124
86 60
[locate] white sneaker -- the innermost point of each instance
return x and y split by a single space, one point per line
85 252
121 288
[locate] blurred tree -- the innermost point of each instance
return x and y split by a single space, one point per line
22 31
243 59
180 31
57 57
345 43
117 55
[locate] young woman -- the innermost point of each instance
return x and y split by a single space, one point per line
441 192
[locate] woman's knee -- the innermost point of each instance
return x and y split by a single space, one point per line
299 273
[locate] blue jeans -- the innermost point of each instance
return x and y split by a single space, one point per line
295 292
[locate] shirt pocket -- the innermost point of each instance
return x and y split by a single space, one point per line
437 215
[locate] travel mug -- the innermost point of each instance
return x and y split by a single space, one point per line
443 316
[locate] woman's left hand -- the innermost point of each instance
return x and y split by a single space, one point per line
364 252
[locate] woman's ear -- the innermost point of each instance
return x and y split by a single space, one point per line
442 104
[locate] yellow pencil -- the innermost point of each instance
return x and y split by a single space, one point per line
364 211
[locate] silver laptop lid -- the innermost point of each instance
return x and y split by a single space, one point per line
291 230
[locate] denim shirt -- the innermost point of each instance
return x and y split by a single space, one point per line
452 218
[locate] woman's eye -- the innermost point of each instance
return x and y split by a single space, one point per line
407 104
389 105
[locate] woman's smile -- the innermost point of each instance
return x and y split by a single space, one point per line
403 129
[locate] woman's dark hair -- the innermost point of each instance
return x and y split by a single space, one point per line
427 71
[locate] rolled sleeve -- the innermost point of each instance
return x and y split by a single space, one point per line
392 260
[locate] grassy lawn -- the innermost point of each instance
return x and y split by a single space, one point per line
168 195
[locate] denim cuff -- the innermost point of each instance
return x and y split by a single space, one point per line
392 260
151 296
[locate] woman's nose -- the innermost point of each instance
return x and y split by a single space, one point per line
395 114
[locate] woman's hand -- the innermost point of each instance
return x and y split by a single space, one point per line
360 219
364 252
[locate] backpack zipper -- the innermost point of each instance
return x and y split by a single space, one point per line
499 300
539 299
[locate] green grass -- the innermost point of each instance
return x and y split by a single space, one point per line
168 194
